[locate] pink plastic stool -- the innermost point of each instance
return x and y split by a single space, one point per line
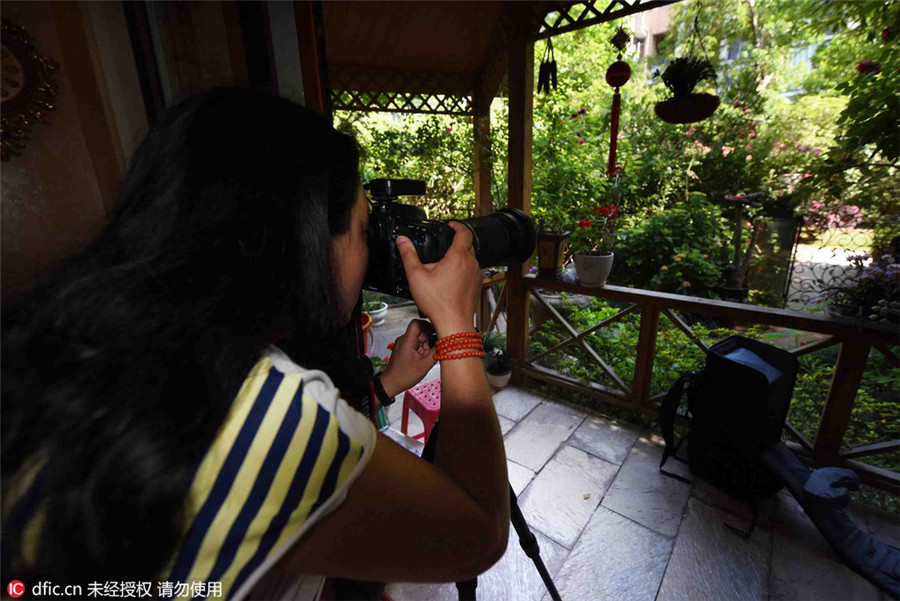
425 401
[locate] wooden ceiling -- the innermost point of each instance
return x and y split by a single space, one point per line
447 38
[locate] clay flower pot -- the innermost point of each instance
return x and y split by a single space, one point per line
687 109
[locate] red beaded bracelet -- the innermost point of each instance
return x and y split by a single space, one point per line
460 344
459 335
460 355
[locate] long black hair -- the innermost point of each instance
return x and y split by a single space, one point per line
119 366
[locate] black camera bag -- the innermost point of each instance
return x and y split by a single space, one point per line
737 406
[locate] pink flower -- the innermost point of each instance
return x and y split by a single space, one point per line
746 110
448 130
705 149
685 284
749 157
726 150
817 205
805 175
581 140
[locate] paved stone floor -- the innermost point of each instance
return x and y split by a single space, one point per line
610 526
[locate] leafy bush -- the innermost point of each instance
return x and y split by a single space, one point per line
678 251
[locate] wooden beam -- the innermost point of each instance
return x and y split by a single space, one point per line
311 34
96 122
845 382
482 156
798 320
870 449
521 95
812 347
594 328
607 369
138 24
646 351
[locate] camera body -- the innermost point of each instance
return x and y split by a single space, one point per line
505 237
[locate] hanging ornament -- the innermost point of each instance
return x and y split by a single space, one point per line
547 70
681 77
617 75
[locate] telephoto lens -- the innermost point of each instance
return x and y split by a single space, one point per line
502 238
506 237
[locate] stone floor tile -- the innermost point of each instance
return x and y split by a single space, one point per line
615 558
505 424
710 562
803 565
640 492
740 509
604 438
560 501
884 525
519 476
515 403
535 439
513 578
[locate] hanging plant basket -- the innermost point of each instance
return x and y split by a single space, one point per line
688 109
686 106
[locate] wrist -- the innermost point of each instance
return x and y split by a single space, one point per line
391 387
449 327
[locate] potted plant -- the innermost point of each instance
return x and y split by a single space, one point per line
681 77
872 292
593 244
496 364
377 309
552 233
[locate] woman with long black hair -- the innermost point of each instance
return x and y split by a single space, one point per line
171 396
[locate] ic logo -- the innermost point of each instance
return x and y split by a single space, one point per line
15 588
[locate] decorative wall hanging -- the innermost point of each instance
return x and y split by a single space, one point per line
547 70
617 75
681 77
27 91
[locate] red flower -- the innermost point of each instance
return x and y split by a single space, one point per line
583 111
886 34
737 104
584 223
867 67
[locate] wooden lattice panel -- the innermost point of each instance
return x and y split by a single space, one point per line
356 90
577 15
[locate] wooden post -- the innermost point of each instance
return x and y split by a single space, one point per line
482 170
521 92
482 156
848 374
310 33
646 350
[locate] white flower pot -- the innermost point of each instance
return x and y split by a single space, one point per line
379 314
593 270
499 381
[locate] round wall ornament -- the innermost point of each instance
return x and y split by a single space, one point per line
27 90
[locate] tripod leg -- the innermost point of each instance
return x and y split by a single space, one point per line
529 544
467 589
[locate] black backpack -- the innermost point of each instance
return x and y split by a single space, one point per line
737 407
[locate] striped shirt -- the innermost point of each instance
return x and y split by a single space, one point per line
285 457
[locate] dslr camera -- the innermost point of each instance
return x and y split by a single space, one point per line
503 238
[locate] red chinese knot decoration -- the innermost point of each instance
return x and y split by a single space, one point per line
617 75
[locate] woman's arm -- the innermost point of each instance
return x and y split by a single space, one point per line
405 519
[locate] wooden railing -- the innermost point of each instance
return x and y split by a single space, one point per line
855 340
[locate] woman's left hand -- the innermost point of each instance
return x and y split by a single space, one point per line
411 358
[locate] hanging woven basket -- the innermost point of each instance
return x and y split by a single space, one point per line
687 109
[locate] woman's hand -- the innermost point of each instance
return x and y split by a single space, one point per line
411 358
447 291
